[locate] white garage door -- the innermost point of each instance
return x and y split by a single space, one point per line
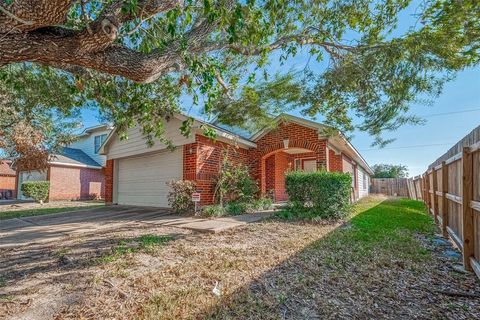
142 180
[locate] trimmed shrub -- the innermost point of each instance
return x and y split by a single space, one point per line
37 190
180 195
318 195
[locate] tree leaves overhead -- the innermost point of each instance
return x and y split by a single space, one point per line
136 61
39 111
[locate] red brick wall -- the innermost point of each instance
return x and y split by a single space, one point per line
108 173
69 183
201 163
7 182
270 173
335 162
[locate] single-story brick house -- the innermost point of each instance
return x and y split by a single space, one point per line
77 171
136 174
7 180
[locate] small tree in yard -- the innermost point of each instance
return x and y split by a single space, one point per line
234 182
180 196
37 190
321 194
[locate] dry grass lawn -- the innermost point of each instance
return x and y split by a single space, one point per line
383 263
28 209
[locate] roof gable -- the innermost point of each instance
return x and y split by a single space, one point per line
289 119
89 130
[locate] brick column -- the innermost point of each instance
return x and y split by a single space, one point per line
108 170
322 154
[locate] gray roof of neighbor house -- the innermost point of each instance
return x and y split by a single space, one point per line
71 156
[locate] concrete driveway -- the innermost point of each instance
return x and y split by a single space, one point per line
26 230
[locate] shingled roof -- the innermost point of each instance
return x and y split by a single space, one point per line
71 156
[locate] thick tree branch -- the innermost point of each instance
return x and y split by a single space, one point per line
93 47
38 13
61 48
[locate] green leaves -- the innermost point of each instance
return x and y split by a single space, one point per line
37 190
318 195
390 171
225 52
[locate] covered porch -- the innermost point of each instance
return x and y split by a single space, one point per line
276 164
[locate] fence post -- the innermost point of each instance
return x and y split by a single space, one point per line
444 199
414 193
422 187
428 199
434 195
467 194
426 191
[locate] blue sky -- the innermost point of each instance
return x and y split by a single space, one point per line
451 116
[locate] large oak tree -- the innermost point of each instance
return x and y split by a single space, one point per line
136 60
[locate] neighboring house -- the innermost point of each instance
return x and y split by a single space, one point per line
77 172
137 174
7 180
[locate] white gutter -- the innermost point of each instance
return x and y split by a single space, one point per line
74 165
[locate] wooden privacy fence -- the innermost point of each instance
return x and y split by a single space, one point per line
391 186
451 192
415 188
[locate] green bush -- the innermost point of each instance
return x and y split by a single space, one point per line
262 204
318 195
235 208
37 190
240 207
180 195
213 210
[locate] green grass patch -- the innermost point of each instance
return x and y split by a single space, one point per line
42 211
388 227
147 243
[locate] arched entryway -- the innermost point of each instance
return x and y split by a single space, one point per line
276 163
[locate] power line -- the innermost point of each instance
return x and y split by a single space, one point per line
413 146
448 113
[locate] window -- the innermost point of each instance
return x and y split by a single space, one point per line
298 164
99 140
